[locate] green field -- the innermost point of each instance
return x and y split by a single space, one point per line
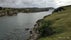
61 23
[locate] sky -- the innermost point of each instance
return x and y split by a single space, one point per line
34 3
63 2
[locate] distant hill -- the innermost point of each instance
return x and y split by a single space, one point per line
27 10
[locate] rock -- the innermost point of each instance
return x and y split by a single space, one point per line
31 32
9 13
26 28
0 15
3 14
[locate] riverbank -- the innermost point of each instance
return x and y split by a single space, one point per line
15 11
59 22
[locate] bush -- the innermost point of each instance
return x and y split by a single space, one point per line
45 29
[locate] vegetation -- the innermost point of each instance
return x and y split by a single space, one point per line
44 28
60 23
26 10
15 11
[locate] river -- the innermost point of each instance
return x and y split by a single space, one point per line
13 27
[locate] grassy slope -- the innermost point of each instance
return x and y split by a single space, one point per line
61 21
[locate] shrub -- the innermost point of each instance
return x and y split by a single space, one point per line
45 29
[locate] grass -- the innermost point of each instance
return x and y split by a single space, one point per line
61 24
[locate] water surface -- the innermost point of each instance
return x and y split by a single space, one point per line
13 27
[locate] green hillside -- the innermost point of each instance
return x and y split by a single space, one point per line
61 24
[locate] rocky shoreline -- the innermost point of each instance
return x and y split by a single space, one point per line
33 36
8 14
35 32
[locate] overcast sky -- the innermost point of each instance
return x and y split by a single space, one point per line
34 3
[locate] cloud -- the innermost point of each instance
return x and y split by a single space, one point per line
27 3
63 2
33 3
